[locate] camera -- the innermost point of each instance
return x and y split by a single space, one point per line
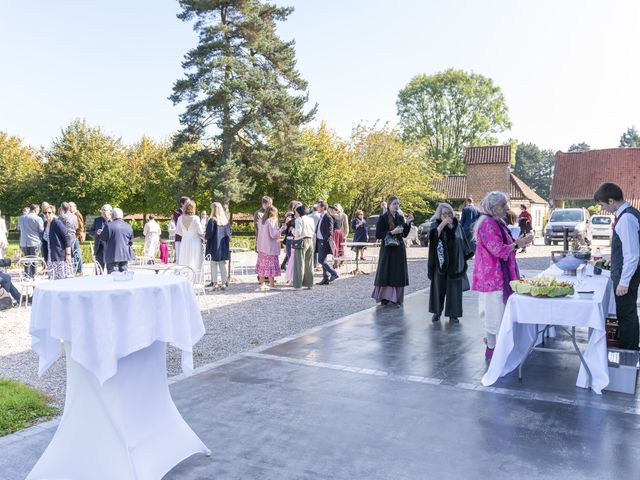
5 262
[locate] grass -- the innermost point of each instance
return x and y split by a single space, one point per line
21 406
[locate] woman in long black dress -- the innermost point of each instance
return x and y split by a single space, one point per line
449 251
392 275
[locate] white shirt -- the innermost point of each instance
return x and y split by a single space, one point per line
627 229
318 233
305 227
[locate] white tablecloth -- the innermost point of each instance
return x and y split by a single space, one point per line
119 420
522 314
107 320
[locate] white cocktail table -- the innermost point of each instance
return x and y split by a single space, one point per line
119 420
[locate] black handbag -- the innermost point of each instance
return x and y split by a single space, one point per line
391 240
297 244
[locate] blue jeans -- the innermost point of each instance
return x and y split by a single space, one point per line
77 255
5 282
323 252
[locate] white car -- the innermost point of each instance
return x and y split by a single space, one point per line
601 226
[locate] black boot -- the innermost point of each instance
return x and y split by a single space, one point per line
435 318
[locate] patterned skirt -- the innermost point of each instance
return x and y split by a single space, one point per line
338 239
58 270
267 265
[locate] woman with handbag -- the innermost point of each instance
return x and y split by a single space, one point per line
495 264
392 274
449 251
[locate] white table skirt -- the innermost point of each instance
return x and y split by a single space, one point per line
119 421
523 313
126 429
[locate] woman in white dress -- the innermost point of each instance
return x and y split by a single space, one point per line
151 234
190 228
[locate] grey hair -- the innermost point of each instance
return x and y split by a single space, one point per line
116 213
106 208
439 208
488 206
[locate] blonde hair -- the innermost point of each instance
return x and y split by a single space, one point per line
190 207
269 213
218 214
488 207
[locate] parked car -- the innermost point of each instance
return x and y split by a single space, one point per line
601 226
423 233
576 220
371 227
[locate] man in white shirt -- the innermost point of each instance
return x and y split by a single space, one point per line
625 253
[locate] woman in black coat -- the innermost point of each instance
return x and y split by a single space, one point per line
449 251
57 240
218 247
392 275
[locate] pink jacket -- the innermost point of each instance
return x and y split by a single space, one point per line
490 248
268 241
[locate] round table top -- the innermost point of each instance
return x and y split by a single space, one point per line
359 244
107 283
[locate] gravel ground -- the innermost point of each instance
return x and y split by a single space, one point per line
241 319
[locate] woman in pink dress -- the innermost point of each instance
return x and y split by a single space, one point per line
268 247
495 263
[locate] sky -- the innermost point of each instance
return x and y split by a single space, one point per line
568 69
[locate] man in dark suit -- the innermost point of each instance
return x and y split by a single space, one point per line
326 246
96 230
117 236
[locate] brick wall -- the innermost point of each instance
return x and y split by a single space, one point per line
485 178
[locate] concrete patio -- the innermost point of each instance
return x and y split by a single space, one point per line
386 394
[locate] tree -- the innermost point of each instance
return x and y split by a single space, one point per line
630 138
382 164
151 174
535 167
451 110
241 89
86 166
21 169
579 147
321 171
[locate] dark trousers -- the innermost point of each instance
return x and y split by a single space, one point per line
323 252
5 282
117 267
627 313
100 258
445 295
287 247
30 270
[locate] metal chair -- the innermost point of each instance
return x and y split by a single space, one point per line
194 278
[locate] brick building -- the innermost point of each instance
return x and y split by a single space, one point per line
577 175
489 169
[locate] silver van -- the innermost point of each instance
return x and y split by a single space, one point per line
576 220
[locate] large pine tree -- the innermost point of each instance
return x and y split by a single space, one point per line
244 98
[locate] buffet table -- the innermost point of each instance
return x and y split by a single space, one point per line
519 332
119 420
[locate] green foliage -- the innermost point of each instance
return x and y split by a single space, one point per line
86 166
630 138
580 147
244 98
152 171
382 164
534 167
21 406
449 111
20 168
322 170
